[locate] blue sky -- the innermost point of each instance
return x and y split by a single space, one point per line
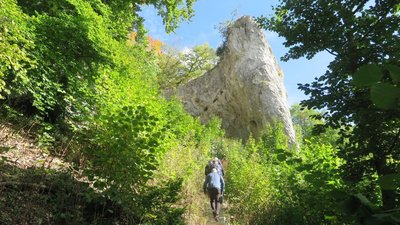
202 29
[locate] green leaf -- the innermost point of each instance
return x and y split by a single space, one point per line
279 151
384 95
397 8
130 112
367 75
281 157
150 167
390 181
356 202
330 218
306 167
394 72
153 143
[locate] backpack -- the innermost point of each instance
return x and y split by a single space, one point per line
210 165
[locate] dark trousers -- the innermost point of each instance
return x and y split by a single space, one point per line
215 195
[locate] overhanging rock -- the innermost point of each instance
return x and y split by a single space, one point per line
245 89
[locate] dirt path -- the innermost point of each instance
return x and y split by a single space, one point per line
223 217
20 150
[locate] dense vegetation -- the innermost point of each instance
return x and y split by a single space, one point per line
82 76
69 68
360 91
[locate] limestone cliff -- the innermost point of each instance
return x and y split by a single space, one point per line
245 89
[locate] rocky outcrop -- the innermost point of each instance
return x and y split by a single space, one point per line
245 89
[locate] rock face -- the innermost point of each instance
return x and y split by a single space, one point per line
245 89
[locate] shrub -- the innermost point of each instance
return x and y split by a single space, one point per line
268 183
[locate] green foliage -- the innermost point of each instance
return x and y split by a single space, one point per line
246 186
369 214
267 183
172 12
68 65
157 204
385 94
309 123
367 75
15 42
37 196
363 36
179 67
124 151
54 51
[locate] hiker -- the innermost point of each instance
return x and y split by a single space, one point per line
214 163
214 187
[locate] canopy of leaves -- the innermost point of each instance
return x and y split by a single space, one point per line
357 33
179 67
69 65
309 123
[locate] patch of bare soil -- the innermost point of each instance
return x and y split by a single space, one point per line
18 148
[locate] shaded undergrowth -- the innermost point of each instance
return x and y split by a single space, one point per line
39 196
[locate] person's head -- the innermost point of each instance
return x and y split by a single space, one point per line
215 159
214 170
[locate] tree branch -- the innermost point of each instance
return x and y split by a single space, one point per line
330 52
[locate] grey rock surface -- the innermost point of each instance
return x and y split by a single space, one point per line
245 89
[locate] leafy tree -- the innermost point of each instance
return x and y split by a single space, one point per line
69 63
304 119
357 33
152 44
270 184
69 40
15 42
178 67
171 69
198 60
308 122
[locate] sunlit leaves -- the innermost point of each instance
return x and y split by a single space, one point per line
305 184
68 62
15 43
126 139
173 12
360 88
179 67
152 44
